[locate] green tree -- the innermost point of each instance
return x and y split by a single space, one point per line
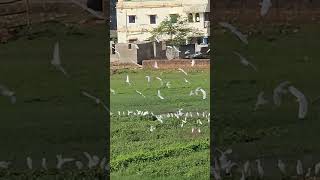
176 29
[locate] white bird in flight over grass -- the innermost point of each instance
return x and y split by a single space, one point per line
160 80
260 100
241 36
302 100
265 6
61 161
168 84
112 91
4 91
159 95
96 100
155 65
140 93
183 71
148 79
279 91
128 80
244 61
56 61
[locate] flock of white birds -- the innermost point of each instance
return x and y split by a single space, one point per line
93 162
183 116
224 166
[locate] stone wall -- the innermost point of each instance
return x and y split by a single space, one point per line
177 63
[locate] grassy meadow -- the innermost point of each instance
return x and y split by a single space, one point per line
51 116
281 53
170 151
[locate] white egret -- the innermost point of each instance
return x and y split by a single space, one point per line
148 78
29 163
204 94
44 163
168 84
128 80
317 168
282 167
183 71
112 91
56 61
302 100
279 91
92 161
241 36
160 80
79 165
265 6
260 168
193 62
4 164
244 61
61 161
4 91
299 168
260 100
186 81
97 100
152 128
159 95
140 93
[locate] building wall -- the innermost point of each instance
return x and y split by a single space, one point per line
162 9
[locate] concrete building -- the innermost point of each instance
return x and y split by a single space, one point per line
135 18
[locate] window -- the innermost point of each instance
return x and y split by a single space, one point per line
129 46
132 19
153 19
113 49
132 40
190 17
197 17
206 16
174 18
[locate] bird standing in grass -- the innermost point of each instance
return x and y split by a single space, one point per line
282 167
56 61
4 91
260 169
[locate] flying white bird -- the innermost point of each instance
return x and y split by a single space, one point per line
193 62
302 100
92 161
208 51
79 165
140 93
168 84
279 91
184 72
299 168
175 48
241 36
260 168
112 91
260 100
4 91
62 161
187 52
4 164
56 61
160 80
96 100
186 81
44 163
128 80
204 94
244 61
159 95
152 128
265 6
191 93
155 65
282 167
29 162
148 79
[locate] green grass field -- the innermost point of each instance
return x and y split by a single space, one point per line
270 133
170 151
51 116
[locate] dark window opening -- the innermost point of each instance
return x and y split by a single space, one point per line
190 17
197 17
153 19
132 19
206 16
113 49
129 46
